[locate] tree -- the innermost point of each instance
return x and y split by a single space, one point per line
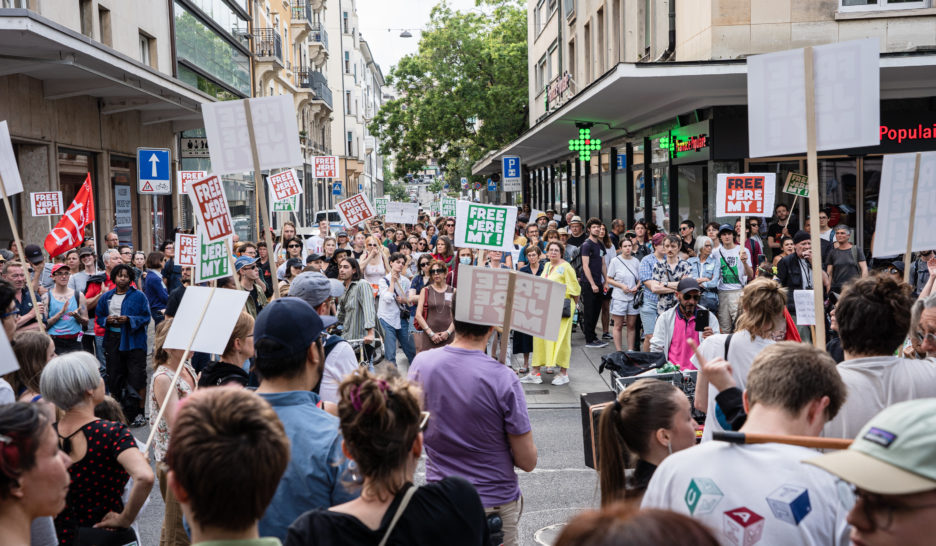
396 192
436 186
463 94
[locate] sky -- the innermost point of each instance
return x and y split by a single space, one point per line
376 16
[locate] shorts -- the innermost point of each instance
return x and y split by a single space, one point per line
623 307
648 317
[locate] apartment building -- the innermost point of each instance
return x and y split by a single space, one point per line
662 85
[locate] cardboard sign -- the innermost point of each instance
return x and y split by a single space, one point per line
46 203
187 177
448 206
212 337
8 362
9 172
275 131
893 214
211 206
401 213
355 210
214 259
748 194
804 301
284 185
325 166
537 303
797 184
186 250
487 227
290 204
380 204
847 93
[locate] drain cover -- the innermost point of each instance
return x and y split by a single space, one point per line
543 391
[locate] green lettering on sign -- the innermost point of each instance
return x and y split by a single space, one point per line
448 206
797 184
381 205
486 225
290 204
213 260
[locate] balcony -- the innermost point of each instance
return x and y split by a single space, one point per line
301 21
268 46
318 45
317 83
370 142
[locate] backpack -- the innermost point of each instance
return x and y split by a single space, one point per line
576 263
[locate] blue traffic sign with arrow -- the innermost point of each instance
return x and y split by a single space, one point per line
154 168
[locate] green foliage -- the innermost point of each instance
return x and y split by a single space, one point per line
436 186
463 94
396 192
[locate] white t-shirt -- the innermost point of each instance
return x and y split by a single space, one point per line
741 354
387 308
731 271
752 494
626 272
314 245
875 383
339 363
828 235
116 303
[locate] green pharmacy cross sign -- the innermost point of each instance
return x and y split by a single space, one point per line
584 144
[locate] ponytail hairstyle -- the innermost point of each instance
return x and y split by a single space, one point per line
379 420
625 431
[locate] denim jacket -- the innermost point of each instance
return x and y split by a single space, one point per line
136 307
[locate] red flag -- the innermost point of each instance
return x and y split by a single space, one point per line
70 231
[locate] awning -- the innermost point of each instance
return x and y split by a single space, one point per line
633 96
70 64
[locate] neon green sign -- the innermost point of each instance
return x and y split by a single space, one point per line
584 145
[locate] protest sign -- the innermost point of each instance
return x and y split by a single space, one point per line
447 207
276 134
797 184
401 213
749 194
8 362
895 199
486 227
534 214
9 172
290 204
214 259
325 166
187 177
380 205
284 185
805 307
846 96
355 210
46 203
537 302
211 206
186 250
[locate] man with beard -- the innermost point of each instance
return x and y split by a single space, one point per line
678 325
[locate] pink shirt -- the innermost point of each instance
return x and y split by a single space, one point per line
680 352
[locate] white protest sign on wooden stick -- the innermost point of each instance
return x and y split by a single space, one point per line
186 249
213 216
485 227
355 209
401 213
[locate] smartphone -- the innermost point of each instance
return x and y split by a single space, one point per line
701 319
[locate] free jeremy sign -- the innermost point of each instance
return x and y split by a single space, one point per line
187 177
486 227
749 194
284 185
186 249
46 203
325 166
355 210
211 205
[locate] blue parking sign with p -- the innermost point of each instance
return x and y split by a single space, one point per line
511 167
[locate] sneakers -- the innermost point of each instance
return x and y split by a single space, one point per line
550 370
607 336
597 344
530 378
561 379
138 421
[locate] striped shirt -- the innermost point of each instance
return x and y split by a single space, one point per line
357 310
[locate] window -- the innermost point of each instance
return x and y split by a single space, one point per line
542 73
586 50
571 58
347 62
349 143
538 16
569 7
868 5
22 4
344 22
211 53
147 50
84 12
600 42
347 102
618 36
105 23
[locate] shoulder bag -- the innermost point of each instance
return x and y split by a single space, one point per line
399 513
566 302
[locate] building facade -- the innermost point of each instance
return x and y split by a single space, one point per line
662 85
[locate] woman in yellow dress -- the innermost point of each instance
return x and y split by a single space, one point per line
556 353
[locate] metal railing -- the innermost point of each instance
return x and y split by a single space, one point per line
267 43
301 10
319 34
317 82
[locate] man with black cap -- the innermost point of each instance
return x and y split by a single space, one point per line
315 261
289 361
890 472
678 325
795 272
41 271
319 291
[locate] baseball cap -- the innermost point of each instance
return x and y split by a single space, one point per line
56 267
85 251
33 254
293 262
687 284
292 323
314 258
894 454
576 220
657 239
242 261
897 264
311 287
342 234
725 227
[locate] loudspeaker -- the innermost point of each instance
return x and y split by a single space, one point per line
593 403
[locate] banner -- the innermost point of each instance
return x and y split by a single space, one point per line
290 204
46 203
355 210
380 205
187 177
537 302
893 213
448 206
284 185
211 207
186 250
797 184
486 227
749 194
213 259
325 166
70 230
401 213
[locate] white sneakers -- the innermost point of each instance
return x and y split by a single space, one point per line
530 378
560 379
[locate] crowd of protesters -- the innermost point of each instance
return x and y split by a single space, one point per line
309 443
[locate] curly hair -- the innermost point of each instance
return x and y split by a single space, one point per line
873 315
762 303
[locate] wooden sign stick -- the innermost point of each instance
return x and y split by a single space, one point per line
812 172
175 377
261 195
508 317
792 209
743 236
815 442
22 255
913 204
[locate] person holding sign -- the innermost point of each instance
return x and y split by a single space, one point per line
795 273
559 352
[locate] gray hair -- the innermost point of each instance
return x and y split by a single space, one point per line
842 227
66 378
700 243
916 312
107 254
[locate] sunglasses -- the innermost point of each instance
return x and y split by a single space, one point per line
371 245
449 225
293 246
436 271
248 268
424 264
692 297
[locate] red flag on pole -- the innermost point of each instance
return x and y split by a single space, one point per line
70 231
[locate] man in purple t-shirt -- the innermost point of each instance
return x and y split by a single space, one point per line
480 429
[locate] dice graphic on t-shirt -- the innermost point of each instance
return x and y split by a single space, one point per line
702 496
742 526
790 503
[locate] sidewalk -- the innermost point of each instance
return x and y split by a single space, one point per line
583 377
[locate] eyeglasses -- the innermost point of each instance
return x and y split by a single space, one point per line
922 338
371 245
684 228
424 264
437 271
449 225
248 268
126 253
878 510
293 246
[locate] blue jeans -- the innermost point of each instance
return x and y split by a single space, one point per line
401 335
99 352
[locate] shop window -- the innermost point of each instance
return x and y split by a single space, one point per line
871 183
126 205
869 5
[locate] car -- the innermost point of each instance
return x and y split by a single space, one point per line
334 222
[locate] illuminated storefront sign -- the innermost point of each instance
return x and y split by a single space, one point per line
690 143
